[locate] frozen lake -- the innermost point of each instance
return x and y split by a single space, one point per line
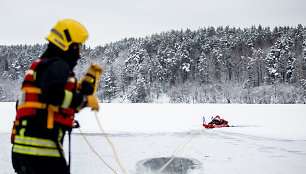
267 139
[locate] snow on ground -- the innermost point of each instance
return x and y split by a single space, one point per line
266 139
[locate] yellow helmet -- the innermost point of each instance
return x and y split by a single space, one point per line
66 32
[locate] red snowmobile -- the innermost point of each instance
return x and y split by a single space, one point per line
216 122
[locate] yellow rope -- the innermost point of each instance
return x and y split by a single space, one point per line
102 130
110 143
96 83
178 151
96 152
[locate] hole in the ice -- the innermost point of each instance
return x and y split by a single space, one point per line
178 165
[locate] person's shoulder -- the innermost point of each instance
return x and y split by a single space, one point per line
55 62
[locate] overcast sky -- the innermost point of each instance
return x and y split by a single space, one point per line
29 21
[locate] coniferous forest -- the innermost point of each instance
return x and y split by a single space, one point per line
209 65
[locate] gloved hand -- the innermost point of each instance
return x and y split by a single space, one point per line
87 83
93 69
92 102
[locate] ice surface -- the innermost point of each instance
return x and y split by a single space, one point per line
267 139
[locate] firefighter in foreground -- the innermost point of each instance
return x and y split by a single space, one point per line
50 96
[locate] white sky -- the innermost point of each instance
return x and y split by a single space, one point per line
29 21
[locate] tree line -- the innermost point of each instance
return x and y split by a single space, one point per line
208 65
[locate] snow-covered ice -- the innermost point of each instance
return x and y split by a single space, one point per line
267 139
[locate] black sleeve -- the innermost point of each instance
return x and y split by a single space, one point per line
53 80
77 99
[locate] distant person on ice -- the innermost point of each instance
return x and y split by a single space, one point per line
218 121
50 96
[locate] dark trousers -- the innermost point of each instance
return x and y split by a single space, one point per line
29 164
